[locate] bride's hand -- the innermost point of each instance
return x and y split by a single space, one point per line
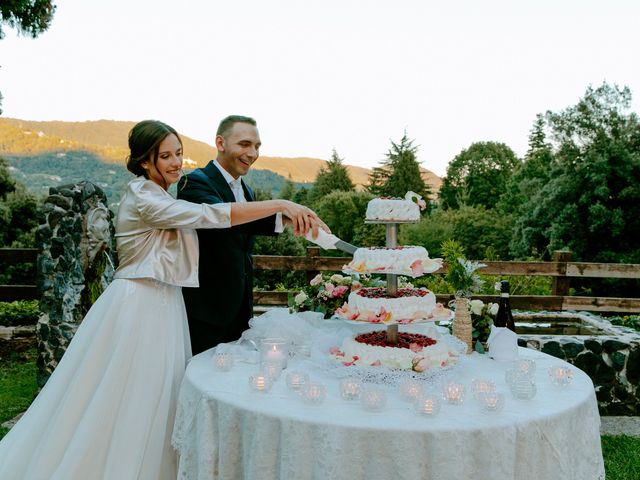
303 218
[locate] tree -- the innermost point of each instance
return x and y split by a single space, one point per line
591 202
29 17
478 175
399 172
334 177
288 190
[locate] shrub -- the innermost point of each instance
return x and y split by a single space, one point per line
23 312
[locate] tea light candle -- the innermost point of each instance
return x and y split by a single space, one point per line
260 382
453 393
373 399
350 388
296 380
525 366
409 390
492 402
481 386
427 405
273 350
223 361
313 393
560 375
272 369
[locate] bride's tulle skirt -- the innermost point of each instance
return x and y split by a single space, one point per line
107 411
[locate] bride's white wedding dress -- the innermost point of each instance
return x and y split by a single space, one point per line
107 410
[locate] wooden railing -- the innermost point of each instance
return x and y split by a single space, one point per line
12 256
561 269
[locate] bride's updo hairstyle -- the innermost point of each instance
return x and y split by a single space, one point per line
144 139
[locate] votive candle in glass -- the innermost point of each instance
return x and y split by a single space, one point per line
223 361
373 399
427 405
409 389
453 393
350 388
492 401
480 386
274 350
525 366
296 380
260 382
273 369
560 375
313 393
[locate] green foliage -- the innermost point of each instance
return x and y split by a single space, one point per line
29 17
483 234
630 321
621 457
288 190
18 386
478 175
591 202
22 312
461 273
399 172
334 176
343 212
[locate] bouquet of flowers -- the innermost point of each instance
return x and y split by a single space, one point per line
482 315
326 293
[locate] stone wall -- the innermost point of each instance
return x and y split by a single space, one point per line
611 359
76 262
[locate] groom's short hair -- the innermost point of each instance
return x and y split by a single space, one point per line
227 123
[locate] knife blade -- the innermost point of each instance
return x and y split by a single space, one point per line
346 247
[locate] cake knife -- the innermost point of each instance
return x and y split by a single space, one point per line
329 241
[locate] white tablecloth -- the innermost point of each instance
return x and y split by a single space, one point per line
224 430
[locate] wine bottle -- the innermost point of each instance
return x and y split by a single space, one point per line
504 317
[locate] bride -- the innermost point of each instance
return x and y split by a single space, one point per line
107 410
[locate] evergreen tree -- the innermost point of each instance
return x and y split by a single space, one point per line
288 190
399 172
334 176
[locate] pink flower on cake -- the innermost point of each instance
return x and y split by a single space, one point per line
377 363
417 269
335 351
414 347
356 286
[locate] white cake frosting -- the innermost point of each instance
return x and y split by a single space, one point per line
374 305
392 209
409 260
417 358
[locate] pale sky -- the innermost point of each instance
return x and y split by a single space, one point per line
317 75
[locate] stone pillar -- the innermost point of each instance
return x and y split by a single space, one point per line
76 261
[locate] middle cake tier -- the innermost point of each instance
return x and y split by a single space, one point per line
407 305
411 261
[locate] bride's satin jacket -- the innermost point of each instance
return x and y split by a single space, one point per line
155 233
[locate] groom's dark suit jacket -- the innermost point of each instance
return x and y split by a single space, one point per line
220 308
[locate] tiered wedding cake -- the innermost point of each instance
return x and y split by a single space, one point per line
392 306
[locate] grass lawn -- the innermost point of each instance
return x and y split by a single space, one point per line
18 387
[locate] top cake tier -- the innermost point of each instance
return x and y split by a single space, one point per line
395 209
410 261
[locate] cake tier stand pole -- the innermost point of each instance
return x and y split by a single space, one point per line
392 280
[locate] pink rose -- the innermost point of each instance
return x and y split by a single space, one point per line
339 291
317 280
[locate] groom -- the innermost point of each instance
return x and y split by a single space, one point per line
220 308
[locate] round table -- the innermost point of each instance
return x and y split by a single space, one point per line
225 430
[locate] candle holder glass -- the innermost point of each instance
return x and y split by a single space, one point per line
313 393
453 393
274 350
480 386
350 388
427 405
492 402
223 361
260 382
560 375
524 388
272 369
296 380
525 366
409 389
373 399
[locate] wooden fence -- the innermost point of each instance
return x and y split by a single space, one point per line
561 269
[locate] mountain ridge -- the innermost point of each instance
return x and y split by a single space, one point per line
108 139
